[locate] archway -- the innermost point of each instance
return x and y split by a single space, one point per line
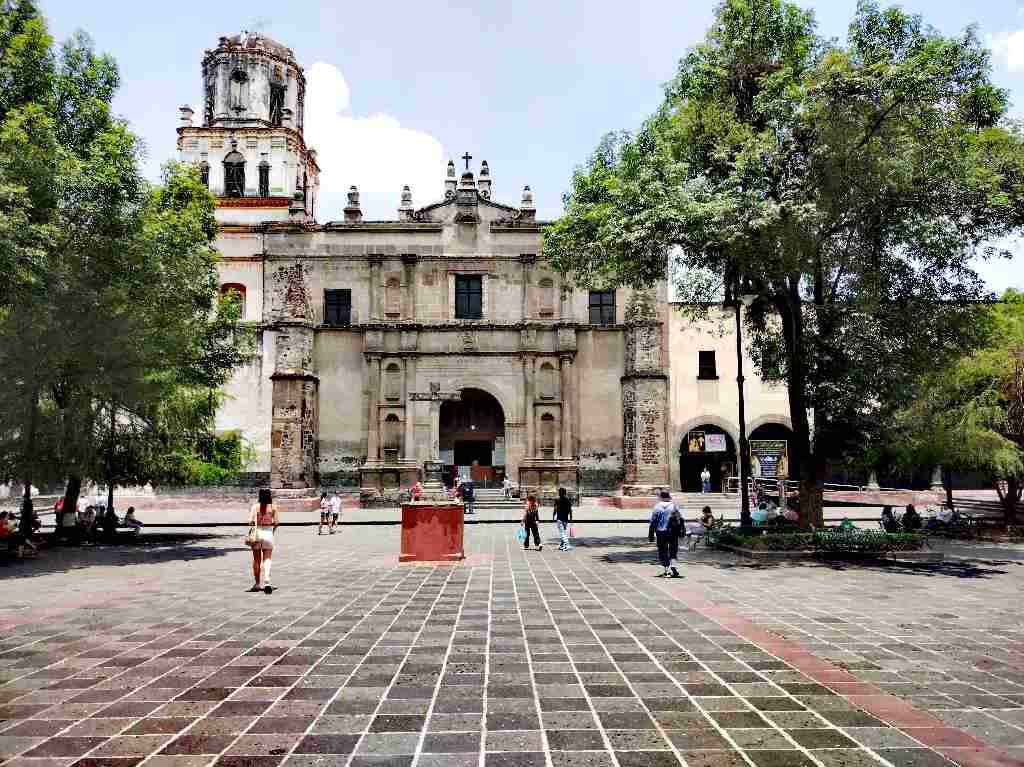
472 437
771 453
706 445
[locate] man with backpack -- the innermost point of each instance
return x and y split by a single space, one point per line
666 526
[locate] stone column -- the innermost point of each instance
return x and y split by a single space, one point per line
409 447
375 262
528 398
373 422
409 267
435 431
565 370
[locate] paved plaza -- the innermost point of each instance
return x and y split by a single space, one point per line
155 654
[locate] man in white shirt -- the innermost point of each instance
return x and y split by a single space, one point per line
335 511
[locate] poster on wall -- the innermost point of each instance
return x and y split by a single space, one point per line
769 458
696 441
714 443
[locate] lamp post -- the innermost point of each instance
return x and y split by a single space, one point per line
744 300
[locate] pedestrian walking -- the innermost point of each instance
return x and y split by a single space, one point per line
563 516
705 480
531 515
263 521
325 514
335 509
468 497
665 526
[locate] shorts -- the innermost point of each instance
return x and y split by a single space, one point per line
325 516
266 540
334 516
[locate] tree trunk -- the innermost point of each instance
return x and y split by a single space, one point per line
812 503
110 461
811 489
947 484
25 526
1010 498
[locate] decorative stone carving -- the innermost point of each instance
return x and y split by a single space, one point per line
373 340
468 340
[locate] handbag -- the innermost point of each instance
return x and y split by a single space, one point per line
252 537
520 535
572 531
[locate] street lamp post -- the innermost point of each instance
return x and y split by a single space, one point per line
745 521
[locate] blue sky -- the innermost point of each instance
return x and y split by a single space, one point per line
397 88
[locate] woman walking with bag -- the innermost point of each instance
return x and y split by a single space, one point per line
263 523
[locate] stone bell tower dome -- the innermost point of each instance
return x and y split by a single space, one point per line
250 146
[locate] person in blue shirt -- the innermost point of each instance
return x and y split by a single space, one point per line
666 526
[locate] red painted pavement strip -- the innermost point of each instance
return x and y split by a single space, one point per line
954 744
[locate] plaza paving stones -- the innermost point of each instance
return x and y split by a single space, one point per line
156 655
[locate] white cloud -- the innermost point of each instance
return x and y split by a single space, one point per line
374 153
1008 47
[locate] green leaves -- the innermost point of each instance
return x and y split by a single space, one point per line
111 326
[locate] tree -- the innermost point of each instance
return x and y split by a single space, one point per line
847 187
112 331
970 418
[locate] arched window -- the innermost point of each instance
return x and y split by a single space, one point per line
546 303
548 381
393 298
234 175
276 105
264 179
237 290
239 91
393 382
547 434
392 437
204 173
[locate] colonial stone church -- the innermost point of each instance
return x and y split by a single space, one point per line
438 335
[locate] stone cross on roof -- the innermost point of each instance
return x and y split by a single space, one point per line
467 157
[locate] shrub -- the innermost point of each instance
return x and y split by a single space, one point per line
828 541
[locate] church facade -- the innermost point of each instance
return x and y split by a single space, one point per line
438 335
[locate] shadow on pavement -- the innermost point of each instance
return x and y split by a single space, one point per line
639 551
147 548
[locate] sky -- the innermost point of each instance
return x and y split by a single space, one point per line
394 89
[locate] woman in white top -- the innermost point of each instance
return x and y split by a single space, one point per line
263 516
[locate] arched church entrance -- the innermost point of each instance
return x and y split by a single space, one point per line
708 446
771 452
472 438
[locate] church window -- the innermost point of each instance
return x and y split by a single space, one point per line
393 298
237 291
547 297
393 382
706 368
338 307
468 297
548 381
602 307
547 434
234 175
204 173
276 105
264 179
392 437
239 91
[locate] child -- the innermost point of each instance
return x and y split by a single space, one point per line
325 514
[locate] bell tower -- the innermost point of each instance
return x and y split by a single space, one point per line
249 143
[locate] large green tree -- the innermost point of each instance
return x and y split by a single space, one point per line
848 187
112 332
970 417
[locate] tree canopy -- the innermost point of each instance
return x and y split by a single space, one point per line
113 334
848 186
970 417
